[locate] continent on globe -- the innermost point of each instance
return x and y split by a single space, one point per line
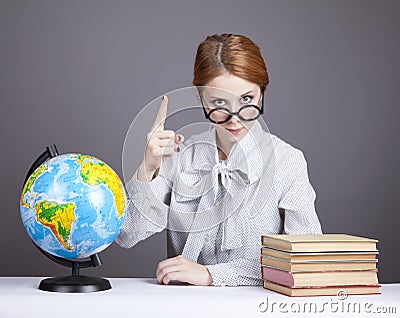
97 173
32 179
58 217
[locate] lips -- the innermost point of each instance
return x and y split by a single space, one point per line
234 131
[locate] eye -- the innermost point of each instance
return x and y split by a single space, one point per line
218 102
246 99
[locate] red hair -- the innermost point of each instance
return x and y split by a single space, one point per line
231 53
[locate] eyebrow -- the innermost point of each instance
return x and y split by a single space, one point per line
251 91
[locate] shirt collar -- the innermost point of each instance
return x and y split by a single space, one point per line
245 154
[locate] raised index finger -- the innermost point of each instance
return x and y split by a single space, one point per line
161 115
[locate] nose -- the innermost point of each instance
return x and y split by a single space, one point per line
234 119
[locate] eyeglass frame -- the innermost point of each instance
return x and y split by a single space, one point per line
231 114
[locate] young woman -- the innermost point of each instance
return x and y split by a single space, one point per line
219 191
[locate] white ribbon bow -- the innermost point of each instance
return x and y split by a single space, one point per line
234 182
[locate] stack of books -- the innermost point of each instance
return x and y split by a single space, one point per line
319 264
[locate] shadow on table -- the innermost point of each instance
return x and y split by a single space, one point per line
153 281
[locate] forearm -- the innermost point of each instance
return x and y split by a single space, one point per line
136 227
239 272
146 212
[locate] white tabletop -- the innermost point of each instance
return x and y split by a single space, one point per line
144 297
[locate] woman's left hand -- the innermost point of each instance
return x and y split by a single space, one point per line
182 269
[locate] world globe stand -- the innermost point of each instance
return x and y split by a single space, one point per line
74 283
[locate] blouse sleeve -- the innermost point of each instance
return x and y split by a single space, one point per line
239 272
147 210
298 197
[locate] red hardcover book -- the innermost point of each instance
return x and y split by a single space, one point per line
319 278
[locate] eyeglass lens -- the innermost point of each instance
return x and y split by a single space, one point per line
248 112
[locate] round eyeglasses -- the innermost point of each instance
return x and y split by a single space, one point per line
221 115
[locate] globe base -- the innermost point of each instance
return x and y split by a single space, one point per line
74 284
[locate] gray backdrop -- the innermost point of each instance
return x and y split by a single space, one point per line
76 73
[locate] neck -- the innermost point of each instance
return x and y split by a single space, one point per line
224 148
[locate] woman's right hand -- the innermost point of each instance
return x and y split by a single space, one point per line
160 144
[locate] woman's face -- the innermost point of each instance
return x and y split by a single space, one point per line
231 92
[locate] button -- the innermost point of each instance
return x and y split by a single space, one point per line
223 284
207 238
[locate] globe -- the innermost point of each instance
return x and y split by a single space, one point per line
73 206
